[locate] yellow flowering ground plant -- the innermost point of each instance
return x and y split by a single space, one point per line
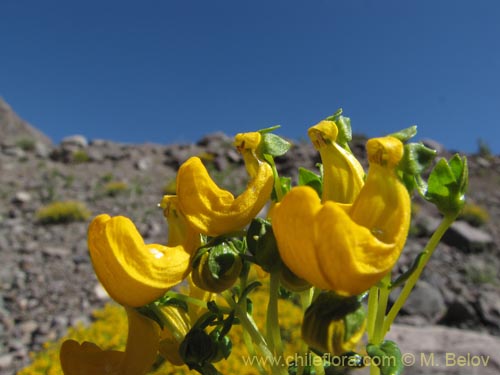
328 244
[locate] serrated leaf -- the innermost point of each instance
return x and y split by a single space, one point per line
273 145
447 185
387 357
416 159
405 134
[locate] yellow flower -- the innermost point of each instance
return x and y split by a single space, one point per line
214 211
135 273
342 247
137 359
342 173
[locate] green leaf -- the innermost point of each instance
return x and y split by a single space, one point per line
387 357
273 145
311 179
416 159
286 186
269 129
405 134
447 185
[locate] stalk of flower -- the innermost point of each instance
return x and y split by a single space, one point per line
214 211
137 359
132 272
341 247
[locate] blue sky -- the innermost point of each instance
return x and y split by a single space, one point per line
169 71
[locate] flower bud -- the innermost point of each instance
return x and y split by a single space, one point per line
218 268
334 324
262 244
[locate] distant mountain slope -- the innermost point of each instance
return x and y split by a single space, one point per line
14 129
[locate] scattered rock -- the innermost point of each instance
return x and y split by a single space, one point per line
467 238
425 301
489 307
78 141
21 197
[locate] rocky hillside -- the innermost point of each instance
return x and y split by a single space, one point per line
46 279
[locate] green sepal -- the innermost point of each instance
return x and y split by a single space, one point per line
353 322
152 312
250 287
168 300
223 344
405 135
447 185
401 279
274 145
387 357
344 129
223 259
262 244
311 179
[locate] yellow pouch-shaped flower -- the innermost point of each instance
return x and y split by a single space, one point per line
133 273
342 173
342 247
137 359
214 211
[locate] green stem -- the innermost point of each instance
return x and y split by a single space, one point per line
372 312
320 370
305 301
383 299
277 181
272 321
412 280
251 351
249 325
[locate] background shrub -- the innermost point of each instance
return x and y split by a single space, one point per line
62 212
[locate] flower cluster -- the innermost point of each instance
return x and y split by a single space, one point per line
330 241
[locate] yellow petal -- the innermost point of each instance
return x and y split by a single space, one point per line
384 196
140 352
292 222
132 272
347 248
342 173
89 359
214 211
142 344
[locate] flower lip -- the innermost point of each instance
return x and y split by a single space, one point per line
132 272
214 211
347 248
